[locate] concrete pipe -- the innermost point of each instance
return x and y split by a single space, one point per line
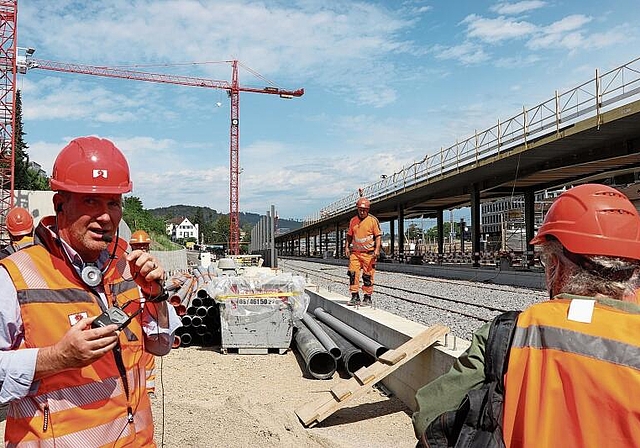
318 362
322 336
353 358
370 346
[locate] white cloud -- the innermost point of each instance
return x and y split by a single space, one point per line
496 30
466 53
341 43
507 8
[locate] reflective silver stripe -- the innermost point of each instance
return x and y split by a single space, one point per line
28 270
608 350
72 295
97 436
123 286
67 398
37 289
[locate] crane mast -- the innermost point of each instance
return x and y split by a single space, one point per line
8 76
233 89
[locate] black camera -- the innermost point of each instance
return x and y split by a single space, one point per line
113 315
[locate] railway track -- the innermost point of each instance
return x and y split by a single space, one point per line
458 304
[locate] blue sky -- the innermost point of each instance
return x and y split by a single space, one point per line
386 82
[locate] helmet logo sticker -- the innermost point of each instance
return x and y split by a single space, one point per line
100 173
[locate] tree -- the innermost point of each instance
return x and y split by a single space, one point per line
221 230
137 218
25 177
432 233
414 233
198 218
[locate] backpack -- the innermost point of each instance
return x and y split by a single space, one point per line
478 420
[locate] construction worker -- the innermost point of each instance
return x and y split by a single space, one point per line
572 363
20 227
362 246
140 240
72 325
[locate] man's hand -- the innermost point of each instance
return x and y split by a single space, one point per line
80 346
146 271
347 252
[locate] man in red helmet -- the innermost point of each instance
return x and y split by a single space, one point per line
570 371
73 326
20 227
362 246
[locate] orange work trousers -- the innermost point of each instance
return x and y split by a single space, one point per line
367 263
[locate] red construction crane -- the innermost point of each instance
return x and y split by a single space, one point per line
233 89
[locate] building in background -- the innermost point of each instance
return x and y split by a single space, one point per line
181 228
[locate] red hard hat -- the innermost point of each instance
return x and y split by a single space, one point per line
593 219
140 237
91 165
363 203
19 221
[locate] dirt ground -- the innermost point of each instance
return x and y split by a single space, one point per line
207 399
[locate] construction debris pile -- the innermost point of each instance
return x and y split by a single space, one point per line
250 310
255 310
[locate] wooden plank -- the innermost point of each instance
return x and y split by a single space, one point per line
392 356
318 410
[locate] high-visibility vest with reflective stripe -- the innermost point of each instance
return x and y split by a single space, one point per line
86 407
573 384
363 233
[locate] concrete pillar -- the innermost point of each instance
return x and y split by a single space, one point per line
440 226
392 246
401 232
529 222
339 242
475 224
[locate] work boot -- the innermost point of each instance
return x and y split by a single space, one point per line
366 300
355 299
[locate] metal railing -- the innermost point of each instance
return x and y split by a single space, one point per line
589 99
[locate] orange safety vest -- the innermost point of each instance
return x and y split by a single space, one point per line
363 233
573 384
98 405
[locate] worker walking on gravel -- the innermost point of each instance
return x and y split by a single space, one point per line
20 227
364 238
141 240
568 373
